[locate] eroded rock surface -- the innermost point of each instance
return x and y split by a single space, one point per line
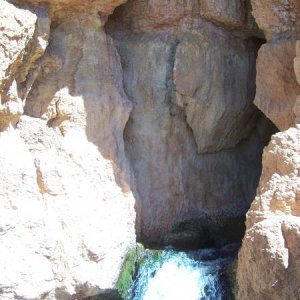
268 265
23 40
277 18
276 84
161 125
277 88
67 208
194 137
269 258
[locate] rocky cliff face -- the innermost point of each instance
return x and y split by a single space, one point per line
66 205
268 266
194 137
141 123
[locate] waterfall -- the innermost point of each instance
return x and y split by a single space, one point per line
193 275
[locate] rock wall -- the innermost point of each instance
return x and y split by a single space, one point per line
194 137
145 127
268 265
66 204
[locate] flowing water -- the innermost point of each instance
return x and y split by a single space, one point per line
193 275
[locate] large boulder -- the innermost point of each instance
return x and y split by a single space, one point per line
277 88
23 40
67 207
268 265
277 18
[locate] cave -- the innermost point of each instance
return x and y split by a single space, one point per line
194 137
139 145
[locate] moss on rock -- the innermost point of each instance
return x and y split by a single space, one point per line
126 276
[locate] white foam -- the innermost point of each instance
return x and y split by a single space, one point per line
174 281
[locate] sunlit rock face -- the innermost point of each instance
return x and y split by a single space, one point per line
277 87
269 258
68 7
194 137
23 40
66 202
268 265
152 116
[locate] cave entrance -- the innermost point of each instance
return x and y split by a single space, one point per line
194 137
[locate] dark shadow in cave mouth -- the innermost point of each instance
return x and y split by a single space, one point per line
185 199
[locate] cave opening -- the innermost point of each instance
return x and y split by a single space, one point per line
194 137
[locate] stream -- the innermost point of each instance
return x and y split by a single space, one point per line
206 274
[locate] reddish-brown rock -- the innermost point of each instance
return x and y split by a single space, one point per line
231 13
276 85
67 7
277 18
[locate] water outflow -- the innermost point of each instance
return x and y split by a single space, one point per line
194 275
